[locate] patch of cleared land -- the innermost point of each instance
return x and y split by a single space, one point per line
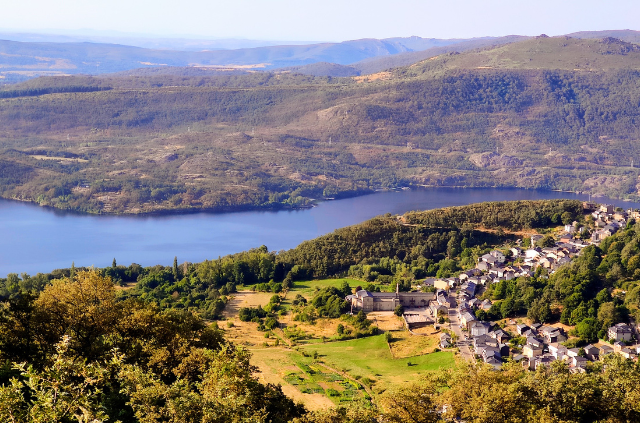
275 364
386 320
246 299
60 159
406 345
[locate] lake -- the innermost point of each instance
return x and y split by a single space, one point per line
36 239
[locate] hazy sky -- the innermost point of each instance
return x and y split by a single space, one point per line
330 20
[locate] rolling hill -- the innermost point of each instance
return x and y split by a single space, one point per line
22 60
553 113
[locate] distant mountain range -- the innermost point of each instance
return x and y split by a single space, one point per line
31 56
146 41
21 60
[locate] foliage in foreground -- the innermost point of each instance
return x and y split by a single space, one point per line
607 392
75 353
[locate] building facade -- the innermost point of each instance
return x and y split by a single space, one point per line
388 301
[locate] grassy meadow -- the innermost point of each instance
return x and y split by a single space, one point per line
322 374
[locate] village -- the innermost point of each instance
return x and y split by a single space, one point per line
451 304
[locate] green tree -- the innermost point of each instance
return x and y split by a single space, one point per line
176 270
399 311
608 315
588 329
508 307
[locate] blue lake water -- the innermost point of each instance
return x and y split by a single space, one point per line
35 239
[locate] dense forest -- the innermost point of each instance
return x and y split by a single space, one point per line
142 143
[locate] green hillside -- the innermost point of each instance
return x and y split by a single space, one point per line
512 116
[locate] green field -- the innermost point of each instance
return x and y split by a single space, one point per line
370 358
307 288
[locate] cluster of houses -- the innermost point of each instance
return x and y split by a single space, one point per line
608 221
492 267
543 345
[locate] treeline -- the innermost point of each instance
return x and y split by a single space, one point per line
514 215
479 394
31 92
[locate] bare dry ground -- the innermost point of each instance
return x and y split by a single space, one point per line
124 286
386 320
246 299
245 333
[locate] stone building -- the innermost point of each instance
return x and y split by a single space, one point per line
388 301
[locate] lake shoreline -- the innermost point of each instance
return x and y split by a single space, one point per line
39 239
285 207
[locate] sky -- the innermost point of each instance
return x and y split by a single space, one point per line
321 20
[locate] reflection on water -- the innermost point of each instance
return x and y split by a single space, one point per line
34 239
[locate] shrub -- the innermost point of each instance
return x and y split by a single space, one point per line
250 314
399 311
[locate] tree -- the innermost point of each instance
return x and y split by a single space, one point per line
345 288
176 271
399 311
66 390
453 246
588 329
567 218
608 315
603 296
508 307
85 309
417 403
546 241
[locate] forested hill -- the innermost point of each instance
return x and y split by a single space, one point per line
552 113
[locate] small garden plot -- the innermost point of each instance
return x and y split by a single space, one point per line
316 379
